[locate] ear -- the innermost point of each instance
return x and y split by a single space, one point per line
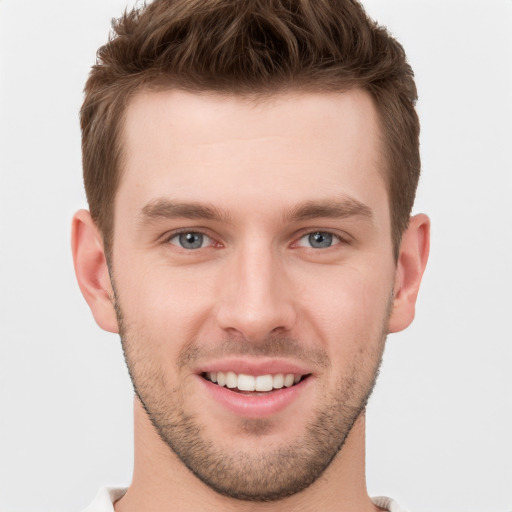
411 263
91 270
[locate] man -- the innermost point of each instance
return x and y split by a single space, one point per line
250 169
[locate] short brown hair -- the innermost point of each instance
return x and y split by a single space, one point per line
249 47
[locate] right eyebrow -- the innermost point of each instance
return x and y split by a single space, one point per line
166 209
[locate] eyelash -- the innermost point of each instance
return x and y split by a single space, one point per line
336 239
190 231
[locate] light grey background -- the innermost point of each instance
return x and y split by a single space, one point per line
440 422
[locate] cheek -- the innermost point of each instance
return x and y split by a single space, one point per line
350 309
165 303
159 316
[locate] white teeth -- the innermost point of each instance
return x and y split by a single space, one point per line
231 380
288 380
278 381
259 383
264 383
246 382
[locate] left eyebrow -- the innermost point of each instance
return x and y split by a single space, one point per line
330 208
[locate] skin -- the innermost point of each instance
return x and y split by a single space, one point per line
255 293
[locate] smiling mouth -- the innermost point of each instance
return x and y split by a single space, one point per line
243 383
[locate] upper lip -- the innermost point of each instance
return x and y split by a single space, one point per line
260 366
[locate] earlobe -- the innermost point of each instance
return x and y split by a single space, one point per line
411 263
92 271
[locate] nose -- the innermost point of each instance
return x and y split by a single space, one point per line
257 295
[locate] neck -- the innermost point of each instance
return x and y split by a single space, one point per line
162 482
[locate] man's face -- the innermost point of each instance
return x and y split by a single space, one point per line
252 246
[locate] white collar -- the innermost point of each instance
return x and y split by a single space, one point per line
104 501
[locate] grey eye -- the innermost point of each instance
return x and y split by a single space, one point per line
190 240
319 240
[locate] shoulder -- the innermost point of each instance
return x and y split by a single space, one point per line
387 504
105 499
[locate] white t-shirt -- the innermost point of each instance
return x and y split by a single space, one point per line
104 501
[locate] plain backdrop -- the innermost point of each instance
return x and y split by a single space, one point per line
440 420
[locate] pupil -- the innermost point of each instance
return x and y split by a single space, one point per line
191 240
320 240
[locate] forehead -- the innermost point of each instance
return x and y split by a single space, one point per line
263 151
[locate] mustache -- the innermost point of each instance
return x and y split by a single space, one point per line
271 346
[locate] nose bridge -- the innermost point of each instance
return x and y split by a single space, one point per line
257 273
258 300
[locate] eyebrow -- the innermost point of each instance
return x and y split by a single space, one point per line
338 208
166 209
329 208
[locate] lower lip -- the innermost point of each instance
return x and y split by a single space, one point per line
257 405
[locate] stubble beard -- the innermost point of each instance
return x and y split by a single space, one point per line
269 475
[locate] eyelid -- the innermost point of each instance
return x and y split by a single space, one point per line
342 237
166 239
335 239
